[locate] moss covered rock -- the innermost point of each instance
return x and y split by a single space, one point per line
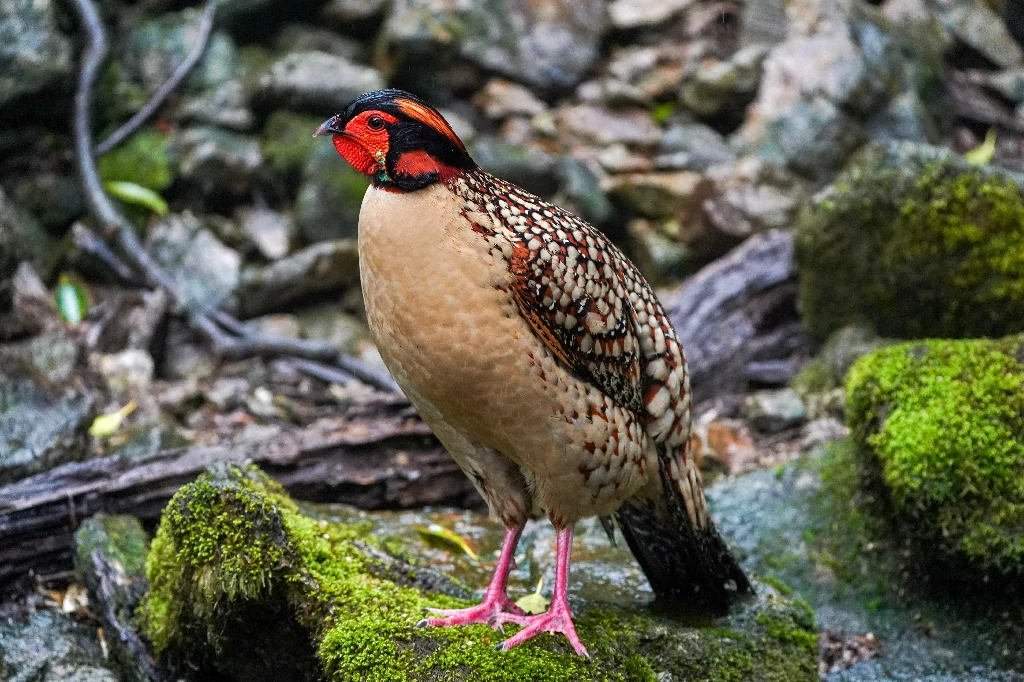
941 425
917 243
244 584
142 159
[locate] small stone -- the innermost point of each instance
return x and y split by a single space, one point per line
729 441
328 201
711 88
49 646
32 306
658 255
528 166
314 270
271 232
205 270
751 196
344 12
34 55
55 200
130 371
605 127
627 14
976 24
661 195
227 393
305 38
774 411
501 99
219 160
317 81
331 324
278 326
226 106
692 146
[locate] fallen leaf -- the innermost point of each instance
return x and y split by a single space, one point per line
983 153
443 538
108 424
71 299
534 603
137 194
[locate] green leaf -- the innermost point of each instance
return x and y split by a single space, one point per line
534 603
983 153
439 536
137 194
71 299
108 424
661 112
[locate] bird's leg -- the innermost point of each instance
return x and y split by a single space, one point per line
558 617
492 610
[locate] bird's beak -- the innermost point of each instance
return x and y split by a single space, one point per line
331 126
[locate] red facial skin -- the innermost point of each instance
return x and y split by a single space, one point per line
365 149
362 146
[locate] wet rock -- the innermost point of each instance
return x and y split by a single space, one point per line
47 646
272 233
44 417
603 126
750 196
205 270
316 269
662 195
528 166
218 160
343 13
873 247
331 324
23 239
774 411
977 24
288 143
938 425
810 525
146 158
240 612
53 199
710 89
549 44
327 205
501 99
316 81
627 14
33 53
278 325
692 146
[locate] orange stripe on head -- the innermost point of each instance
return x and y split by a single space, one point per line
429 117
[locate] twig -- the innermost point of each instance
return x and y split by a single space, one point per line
161 94
90 242
211 323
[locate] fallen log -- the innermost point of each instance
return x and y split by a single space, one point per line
385 461
737 318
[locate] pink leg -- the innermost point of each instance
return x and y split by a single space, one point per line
492 610
558 617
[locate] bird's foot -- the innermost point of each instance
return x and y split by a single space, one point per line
557 619
493 610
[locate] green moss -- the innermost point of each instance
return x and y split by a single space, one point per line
288 142
941 425
142 159
238 574
915 244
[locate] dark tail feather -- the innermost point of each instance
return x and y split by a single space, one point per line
686 565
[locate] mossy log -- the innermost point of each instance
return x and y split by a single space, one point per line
246 587
383 457
940 425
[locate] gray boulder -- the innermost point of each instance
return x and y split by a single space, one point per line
47 646
33 53
316 81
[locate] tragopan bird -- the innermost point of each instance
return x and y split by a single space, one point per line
538 355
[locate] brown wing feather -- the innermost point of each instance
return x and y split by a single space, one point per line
587 303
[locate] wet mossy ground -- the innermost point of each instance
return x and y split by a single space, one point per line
245 585
916 244
940 426
814 526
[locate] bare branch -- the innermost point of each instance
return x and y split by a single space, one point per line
150 107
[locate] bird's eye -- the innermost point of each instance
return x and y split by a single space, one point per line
375 123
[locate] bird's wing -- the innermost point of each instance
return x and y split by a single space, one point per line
590 306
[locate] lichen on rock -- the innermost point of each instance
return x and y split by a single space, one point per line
917 243
940 424
244 584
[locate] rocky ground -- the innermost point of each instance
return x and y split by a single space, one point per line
806 182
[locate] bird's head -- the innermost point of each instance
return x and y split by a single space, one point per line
399 141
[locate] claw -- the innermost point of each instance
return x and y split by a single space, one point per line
422 623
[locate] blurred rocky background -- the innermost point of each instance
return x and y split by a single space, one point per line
805 182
